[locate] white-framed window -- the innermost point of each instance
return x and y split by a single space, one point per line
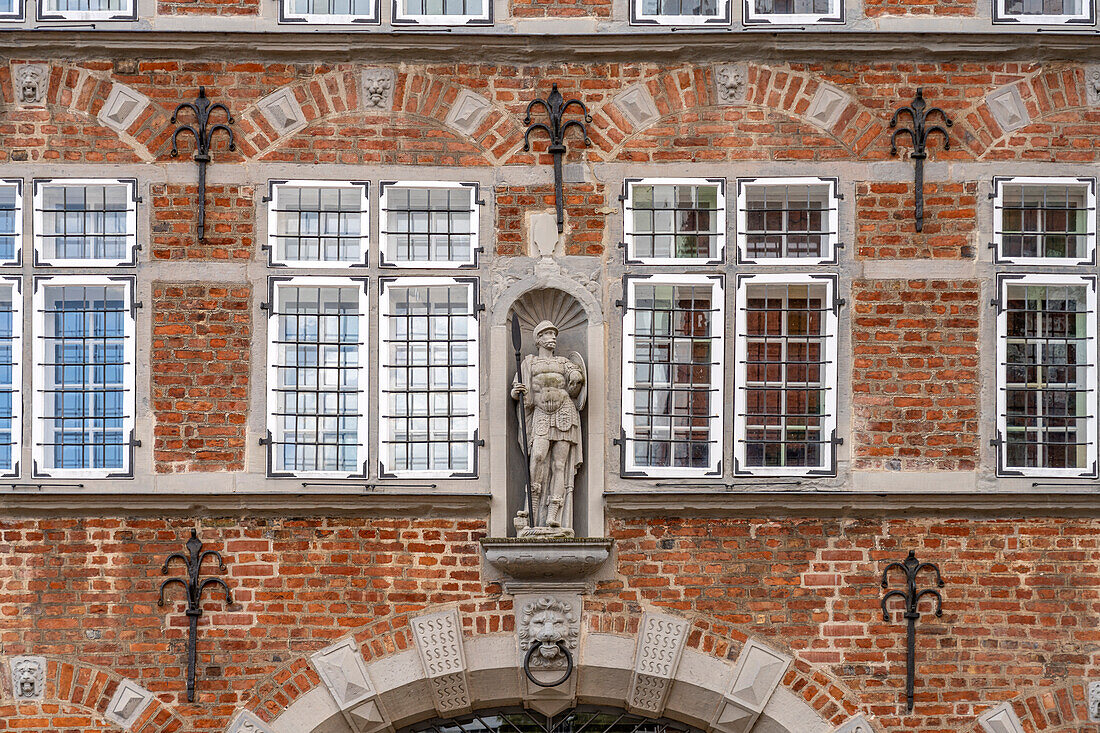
12 11
786 375
672 390
428 362
787 221
85 222
1044 12
318 223
680 12
317 354
792 12
11 221
429 224
330 12
87 10
84 376
443 12
1046 375
1044 221
11 374
674 221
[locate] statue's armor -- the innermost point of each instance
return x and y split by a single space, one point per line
555 415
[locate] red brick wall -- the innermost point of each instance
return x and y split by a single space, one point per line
202 337
230 222
879 8
208 7
886 227
585 217
915 379
1021 604
561 8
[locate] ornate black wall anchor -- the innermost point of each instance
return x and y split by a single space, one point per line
194 588
911 567
918 134
556 107
202 108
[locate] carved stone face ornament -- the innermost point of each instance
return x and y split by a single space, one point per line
376 87
30 83
28 677
547 622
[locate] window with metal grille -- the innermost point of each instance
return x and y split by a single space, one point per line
786 374
1037 12
680 12
317 377
11 10
330 12
428 384
1046 375
87 10
11 374
674 220
318 223
83 376
788 12
89 222
787 220
429 224
443 12
672 375
1048 221
582 719
11 222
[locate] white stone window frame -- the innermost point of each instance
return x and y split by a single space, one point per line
830 337
272 201
1002 16
402 17
374 18
834 17
38 358
1004 281
629 244
128 13
40 184
18 13
17 252
722 17
628 468
831 251
386 258
15 284
999 183
387 285
361 284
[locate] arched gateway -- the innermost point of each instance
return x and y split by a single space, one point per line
649 679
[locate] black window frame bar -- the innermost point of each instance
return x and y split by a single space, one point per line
135 198
364 333
476 248
834 441
623 441
130 442
739 258
269 199
998 442
475 441
998 231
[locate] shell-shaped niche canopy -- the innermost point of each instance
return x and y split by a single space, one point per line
549 304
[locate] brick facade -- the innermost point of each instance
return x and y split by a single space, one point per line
886 230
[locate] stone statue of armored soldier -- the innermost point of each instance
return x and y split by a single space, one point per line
554 389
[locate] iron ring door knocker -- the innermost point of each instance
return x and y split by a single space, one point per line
568 664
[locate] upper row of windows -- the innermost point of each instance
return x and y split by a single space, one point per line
667 221
480 12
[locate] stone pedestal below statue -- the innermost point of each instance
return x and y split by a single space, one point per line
534 563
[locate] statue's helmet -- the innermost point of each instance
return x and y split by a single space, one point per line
542 328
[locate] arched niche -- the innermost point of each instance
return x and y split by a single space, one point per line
556 297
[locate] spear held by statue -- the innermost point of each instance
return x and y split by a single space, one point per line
517 346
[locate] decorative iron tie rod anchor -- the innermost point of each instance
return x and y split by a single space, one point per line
911 567
556 106
194 588
918 135
204 135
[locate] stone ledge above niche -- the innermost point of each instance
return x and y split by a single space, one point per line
527 565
